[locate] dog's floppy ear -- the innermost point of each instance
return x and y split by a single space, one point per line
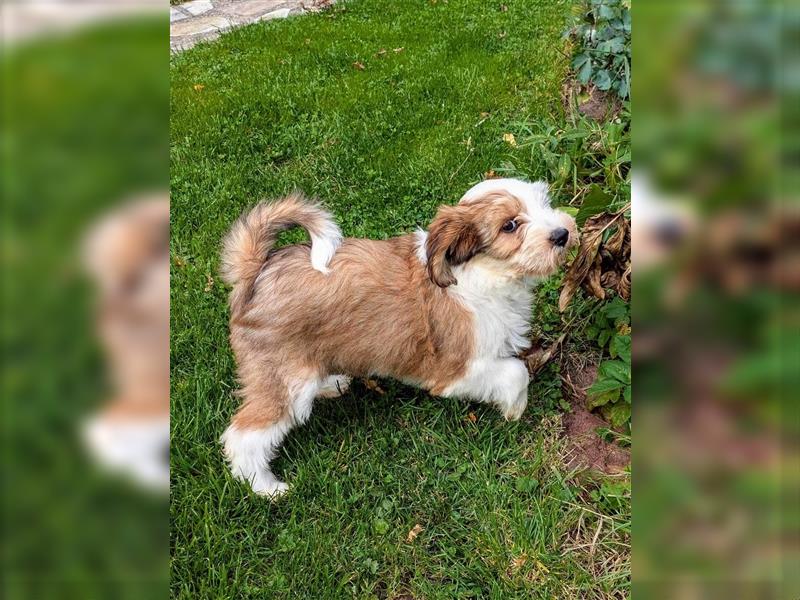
452 239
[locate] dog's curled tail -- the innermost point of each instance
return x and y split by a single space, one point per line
245 248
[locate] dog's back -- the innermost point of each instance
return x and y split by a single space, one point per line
331 321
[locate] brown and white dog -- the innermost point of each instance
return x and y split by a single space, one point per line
446 309
127 255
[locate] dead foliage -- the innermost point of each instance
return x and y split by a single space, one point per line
603 260
537 356
415 531
372 384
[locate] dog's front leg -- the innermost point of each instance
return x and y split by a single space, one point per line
511 382
499 381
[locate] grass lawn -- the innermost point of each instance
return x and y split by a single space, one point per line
68 531
385 110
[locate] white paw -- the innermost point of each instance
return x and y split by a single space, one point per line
270 489
515 411
138 449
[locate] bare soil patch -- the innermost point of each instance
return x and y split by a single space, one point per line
590 101
588 451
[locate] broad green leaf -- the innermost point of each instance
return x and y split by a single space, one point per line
603 385
616 308
526 484
613 46
564 167
618 414
621 347
607 12
602 80
580 60
596 201
615 369
575 135
585 72
570 210
623 88
603 398
380 526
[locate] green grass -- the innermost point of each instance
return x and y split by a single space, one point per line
277 106
78 137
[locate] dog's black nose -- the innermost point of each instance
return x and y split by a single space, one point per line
670 234
559 236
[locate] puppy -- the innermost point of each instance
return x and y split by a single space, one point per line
127 255
446 310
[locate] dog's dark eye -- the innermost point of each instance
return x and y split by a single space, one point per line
509 226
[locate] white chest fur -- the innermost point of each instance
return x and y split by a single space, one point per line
501 309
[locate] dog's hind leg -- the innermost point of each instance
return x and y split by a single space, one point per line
257 430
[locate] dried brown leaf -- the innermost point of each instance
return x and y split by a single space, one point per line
359 65
537 357
591 237
598 222
595 265
624 285
610 279
616 242
509 139
415 531
518 562
592 281
373 385
567 292
472 417
209 283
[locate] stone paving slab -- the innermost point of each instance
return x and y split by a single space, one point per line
197 7
200 20
176 14
200 26
253 8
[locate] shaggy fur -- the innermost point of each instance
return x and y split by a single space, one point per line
446 310
127 255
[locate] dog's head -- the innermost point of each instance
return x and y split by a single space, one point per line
127 254
506 223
